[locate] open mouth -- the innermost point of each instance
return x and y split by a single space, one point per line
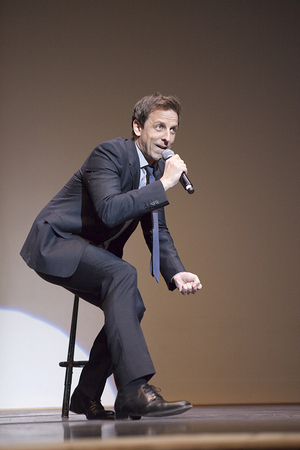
163 147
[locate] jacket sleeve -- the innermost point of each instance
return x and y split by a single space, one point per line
108 177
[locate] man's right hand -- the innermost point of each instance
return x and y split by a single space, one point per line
174 167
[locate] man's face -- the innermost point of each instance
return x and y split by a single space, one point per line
158 133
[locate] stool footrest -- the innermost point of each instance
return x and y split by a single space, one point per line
72 364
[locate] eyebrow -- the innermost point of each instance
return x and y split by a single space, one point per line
164 123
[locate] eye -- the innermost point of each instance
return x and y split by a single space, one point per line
173 130
159 126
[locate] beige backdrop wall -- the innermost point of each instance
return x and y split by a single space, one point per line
71 71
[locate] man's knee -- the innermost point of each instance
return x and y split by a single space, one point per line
129 270
126 274
120 283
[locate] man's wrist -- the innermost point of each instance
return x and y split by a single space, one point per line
172 279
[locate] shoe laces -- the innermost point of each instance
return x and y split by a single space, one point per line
96 407
154 391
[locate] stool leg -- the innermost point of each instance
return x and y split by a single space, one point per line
70 359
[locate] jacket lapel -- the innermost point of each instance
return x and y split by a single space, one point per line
134 164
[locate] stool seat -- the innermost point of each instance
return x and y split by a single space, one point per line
70 363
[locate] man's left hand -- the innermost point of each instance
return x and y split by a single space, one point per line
187 283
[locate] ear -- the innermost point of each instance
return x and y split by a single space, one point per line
137 127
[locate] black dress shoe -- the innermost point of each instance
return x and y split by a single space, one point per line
81 404
147 402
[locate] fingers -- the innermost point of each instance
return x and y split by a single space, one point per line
177 162
190 288
173 169
187 283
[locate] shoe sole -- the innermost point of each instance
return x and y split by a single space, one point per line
80 411
174 412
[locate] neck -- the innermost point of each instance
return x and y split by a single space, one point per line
150 161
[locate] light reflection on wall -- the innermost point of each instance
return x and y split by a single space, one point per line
30 351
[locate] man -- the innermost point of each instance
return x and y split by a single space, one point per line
77 242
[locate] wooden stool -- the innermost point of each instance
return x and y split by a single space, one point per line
70 363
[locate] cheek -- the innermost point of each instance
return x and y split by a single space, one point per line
154 137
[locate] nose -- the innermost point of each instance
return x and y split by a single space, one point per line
166 136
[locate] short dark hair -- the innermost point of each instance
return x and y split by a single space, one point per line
150 103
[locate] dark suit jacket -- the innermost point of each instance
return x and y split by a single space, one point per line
93 207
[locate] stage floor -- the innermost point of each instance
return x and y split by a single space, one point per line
203 427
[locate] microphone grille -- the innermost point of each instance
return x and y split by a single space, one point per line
167 154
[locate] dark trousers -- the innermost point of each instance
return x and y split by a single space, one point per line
110 283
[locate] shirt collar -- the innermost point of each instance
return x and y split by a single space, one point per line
143 161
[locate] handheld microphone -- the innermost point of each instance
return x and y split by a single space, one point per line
183 178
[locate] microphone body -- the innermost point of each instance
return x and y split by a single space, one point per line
186 183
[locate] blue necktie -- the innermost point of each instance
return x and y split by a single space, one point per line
154 264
